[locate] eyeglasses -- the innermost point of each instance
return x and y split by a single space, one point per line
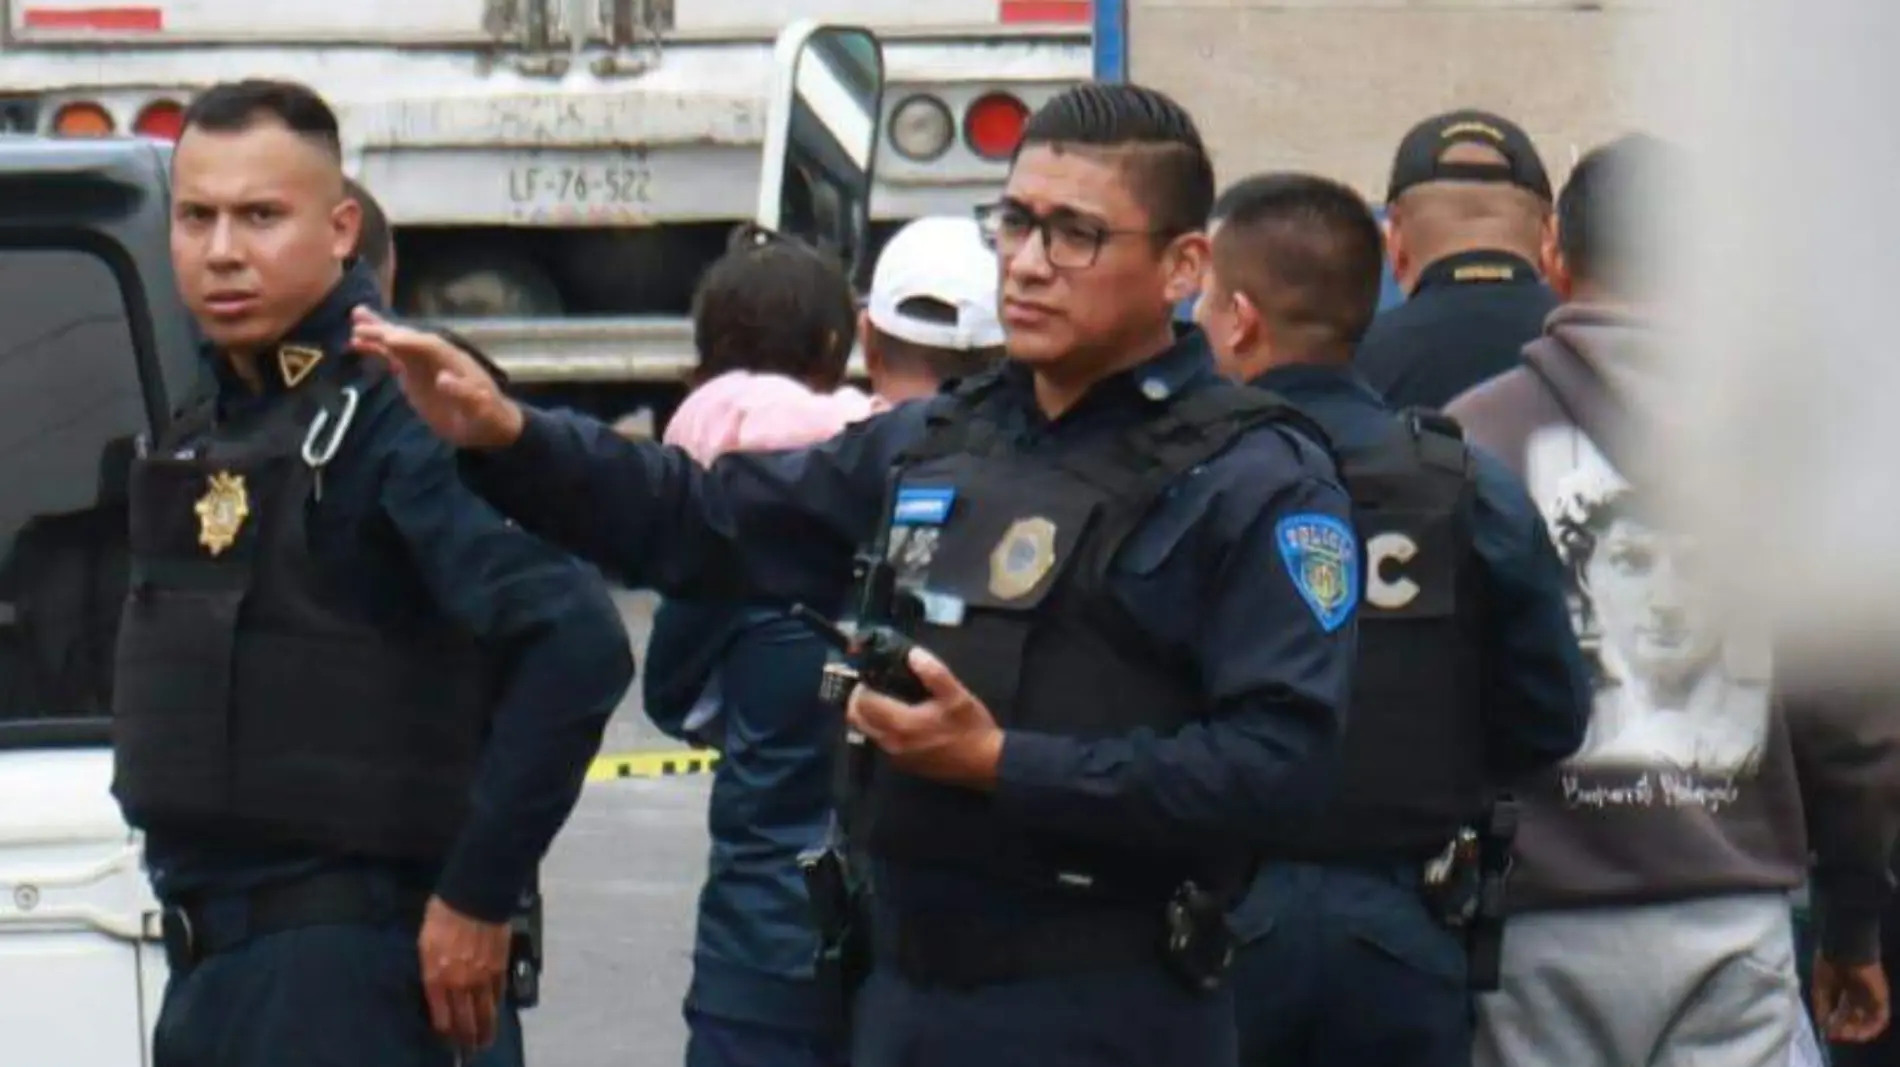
1071 241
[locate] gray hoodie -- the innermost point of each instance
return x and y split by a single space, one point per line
1707 768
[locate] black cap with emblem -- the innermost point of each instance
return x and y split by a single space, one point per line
1420 158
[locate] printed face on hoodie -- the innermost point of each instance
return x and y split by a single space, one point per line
1652 605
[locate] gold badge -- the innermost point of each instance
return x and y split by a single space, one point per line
295 362
1022 557
222 511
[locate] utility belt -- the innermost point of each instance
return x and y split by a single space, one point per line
1188 934
198 927
201 926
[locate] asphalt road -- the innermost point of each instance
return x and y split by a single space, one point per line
621 884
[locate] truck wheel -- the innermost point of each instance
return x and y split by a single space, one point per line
479 286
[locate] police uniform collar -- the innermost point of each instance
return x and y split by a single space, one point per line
1481 267
1301 381
322 338
1156 379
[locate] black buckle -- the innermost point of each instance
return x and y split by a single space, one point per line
179 937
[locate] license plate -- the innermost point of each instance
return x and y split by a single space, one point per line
616 187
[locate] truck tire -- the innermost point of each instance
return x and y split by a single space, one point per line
481 285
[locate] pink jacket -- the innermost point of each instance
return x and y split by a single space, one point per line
747 412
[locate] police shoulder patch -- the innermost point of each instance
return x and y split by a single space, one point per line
1322 558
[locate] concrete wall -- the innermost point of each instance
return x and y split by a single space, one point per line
1331 85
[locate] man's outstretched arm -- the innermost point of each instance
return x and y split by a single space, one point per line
779 525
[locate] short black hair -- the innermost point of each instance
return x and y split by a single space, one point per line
1307 251
941 364
1167 162
777 305
1608 228
231 107
374 241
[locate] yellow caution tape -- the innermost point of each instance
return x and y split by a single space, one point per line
662 763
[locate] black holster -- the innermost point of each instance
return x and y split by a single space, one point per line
1200 944
841 915
524 950
1484 935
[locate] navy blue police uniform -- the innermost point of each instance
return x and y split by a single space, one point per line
1153 593
1466 322
345 684
744 679
1468 676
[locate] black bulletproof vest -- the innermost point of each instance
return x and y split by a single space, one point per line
255 698
1013 582
1411 759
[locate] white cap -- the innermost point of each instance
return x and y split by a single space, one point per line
943 258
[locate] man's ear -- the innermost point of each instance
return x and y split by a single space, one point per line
1395 251
1186 261
1555 267
873 359
346 226
1250 327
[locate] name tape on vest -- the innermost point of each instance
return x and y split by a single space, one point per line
922 506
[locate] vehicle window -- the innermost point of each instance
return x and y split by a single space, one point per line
70 409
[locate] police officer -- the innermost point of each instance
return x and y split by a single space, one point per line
1468 212
355 704
1467 675
1128 662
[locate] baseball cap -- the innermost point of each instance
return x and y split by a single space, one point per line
1419 158
940 258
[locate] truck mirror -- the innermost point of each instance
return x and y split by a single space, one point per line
821 138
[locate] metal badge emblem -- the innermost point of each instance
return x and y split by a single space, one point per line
222 511
1019 561
295 362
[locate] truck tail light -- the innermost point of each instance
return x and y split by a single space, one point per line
922 128
163 119
83 119
994 125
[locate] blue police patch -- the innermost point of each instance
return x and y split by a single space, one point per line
1322 558
922 506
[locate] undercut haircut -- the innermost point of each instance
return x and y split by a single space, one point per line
1608 215
1308 253
1153 137
233 107
940 364
375 242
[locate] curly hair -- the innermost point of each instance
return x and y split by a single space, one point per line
774 304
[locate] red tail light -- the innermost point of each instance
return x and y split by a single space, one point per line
163 119
994 125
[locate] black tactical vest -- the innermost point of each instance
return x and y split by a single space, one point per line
255 698
1009 555
1412 756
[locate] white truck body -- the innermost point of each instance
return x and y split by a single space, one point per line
77 917
568 185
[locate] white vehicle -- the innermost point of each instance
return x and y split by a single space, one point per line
564 168
95 350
